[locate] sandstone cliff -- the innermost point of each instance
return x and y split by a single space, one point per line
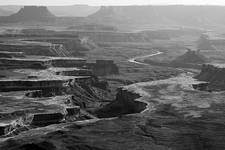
194 16
214 74
30 13
177 118
190 59
203 43
125 103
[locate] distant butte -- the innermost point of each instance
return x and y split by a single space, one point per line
30 13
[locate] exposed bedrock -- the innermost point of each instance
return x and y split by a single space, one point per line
190 59
104 67
166 127
82 93
28 49
214 74
143 36
67 46
6 54
30 121
175 15
125 103
93 27
22 85
55 45
202 87
204 43
48 92
75 72
156 132
88 93
19 63
14 63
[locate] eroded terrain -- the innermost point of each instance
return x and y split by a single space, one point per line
97 87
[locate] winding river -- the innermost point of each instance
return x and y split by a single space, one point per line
135 59
94 119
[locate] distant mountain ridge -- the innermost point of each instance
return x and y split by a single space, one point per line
173 15
73 10
132 18
190 57
70 10
30 13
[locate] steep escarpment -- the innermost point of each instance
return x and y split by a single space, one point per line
55 45
73 10
203 43
125 103
190 59
93 27
66 47
214 75
180 119
30 13
104 67
194 16
143 36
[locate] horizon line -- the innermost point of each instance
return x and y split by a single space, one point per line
116 5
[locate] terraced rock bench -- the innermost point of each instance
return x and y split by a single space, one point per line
47 119
4 128
104 67
30 84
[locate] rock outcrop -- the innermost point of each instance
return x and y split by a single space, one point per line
4 128
204 43
176 118
191 59
104 67
214 75
143 36
47 119
125 103
6 54
60 11
56 44
30 14
17 63
192 16
73 10
31 84
37 63
93 27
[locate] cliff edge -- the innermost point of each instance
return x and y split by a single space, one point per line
30 13
214 75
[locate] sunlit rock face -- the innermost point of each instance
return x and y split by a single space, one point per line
214 75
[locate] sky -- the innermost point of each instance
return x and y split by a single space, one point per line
112 2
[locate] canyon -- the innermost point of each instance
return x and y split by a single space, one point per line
112 80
